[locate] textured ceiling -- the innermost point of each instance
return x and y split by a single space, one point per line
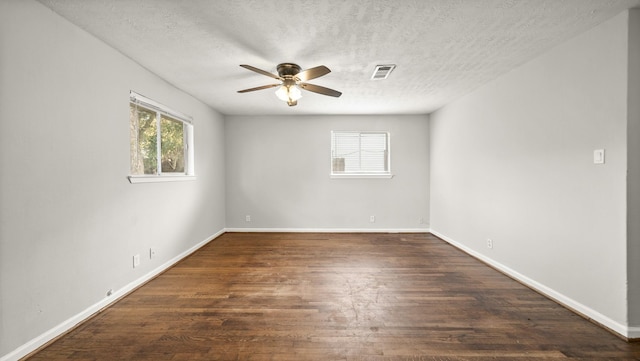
442 48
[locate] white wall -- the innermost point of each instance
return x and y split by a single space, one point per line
70 221
633 184
278 172
513 162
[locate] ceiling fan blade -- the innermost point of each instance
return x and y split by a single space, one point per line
320 90
259 88
260 71
313 73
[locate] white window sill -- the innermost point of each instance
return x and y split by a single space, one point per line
351 176
160 178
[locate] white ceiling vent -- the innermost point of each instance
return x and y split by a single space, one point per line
382 71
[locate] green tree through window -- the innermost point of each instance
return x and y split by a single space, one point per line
144 140
172 145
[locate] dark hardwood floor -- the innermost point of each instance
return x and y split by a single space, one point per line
379 297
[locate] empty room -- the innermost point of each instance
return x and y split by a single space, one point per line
376 180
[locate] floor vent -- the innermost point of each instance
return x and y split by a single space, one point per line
382 71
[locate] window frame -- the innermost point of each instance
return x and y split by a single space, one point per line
342 175
187 121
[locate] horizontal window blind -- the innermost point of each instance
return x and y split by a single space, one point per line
359 152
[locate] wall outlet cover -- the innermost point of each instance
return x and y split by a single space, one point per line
489 243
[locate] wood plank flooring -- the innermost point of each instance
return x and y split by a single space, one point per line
356 297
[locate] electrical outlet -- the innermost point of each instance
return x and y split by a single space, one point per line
421 220
136 261
489 243
372 219
247 218
152 253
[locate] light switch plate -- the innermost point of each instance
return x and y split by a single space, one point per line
598 156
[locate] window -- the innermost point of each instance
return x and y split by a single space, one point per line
360 155
161 142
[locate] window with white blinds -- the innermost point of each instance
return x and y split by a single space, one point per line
356 153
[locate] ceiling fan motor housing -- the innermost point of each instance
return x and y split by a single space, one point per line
288 69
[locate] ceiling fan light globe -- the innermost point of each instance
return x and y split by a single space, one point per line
281 93
289 93
295 93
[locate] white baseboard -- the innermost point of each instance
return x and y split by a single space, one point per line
328 230
70 323
633 333
623 330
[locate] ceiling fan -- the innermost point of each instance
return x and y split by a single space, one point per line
292 79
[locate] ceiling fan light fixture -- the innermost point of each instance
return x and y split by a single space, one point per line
293 81
289 93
